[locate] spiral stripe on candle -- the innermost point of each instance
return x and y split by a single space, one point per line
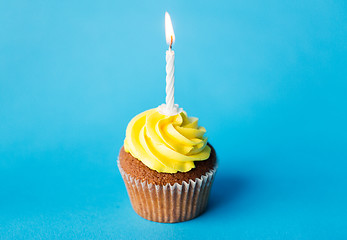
170 79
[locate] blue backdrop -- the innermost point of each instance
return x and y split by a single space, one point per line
266 78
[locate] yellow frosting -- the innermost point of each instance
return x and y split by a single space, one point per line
167 144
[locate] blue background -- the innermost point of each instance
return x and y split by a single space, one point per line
266 78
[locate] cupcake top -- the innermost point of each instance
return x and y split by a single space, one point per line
167 144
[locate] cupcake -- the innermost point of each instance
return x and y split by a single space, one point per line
167 166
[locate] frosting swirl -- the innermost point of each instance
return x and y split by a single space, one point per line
166 143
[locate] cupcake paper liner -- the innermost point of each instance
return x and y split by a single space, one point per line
169 203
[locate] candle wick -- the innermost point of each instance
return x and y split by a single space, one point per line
171 42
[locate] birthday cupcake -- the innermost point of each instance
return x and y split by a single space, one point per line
167 166
166 163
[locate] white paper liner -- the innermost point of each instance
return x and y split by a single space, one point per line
169 203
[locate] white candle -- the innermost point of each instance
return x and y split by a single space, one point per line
170 108
170 79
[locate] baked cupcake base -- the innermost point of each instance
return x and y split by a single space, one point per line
167 197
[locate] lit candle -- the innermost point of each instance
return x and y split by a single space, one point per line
170 108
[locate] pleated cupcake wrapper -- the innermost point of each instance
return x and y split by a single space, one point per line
169 203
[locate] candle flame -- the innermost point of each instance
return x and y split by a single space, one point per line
169 32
